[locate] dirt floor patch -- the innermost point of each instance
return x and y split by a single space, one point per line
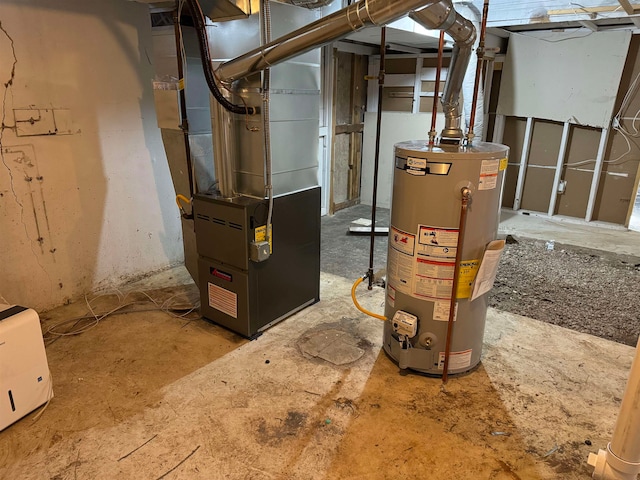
586 290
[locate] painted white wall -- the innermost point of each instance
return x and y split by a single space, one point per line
99 208
561 77
396 127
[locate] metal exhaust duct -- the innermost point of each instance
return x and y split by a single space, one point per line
326 30
442 16
434 15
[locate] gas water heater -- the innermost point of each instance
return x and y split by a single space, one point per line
428 185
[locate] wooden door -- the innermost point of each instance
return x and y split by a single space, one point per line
349 100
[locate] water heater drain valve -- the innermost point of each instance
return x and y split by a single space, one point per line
404 323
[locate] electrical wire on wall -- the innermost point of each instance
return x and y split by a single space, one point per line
616 124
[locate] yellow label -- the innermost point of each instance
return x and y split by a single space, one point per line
503 163
466 275
261 235
181 84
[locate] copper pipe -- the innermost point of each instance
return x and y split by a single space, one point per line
479 65
434 111
466 197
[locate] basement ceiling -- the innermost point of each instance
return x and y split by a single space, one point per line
505 16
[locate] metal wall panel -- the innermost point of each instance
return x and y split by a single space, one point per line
294 106
201 147
196 88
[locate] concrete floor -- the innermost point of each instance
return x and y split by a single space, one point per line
143 394
605 237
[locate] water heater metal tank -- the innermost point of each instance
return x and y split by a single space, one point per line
425 220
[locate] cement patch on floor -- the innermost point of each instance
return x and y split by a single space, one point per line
219 407
332 345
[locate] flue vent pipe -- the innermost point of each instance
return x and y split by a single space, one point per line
321 32
442 16
621 459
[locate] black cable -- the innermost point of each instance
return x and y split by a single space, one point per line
205 56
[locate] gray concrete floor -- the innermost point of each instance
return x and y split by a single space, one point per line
609 238
144 394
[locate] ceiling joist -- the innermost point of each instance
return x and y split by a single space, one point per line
627 7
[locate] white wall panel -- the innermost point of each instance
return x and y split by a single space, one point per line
563 78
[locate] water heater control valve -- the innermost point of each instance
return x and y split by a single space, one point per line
404 323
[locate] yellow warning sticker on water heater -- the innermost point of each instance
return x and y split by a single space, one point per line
466 275
503 163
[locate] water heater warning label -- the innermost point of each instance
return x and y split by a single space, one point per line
441 310
402 241
223 300
400 261
457 360
440 238
489 174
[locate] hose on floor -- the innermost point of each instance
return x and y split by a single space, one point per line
358 306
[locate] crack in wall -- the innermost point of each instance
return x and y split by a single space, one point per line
3 150
7 86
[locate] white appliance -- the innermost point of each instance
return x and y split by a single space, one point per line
25 381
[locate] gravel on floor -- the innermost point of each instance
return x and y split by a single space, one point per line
590 291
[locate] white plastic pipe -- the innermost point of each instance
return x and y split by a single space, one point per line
621 459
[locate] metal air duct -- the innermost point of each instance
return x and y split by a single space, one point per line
442 16
326 30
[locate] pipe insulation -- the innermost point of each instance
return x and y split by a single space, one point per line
621 459
321 32
442 16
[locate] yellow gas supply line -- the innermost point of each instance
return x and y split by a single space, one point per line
358 306
184 199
